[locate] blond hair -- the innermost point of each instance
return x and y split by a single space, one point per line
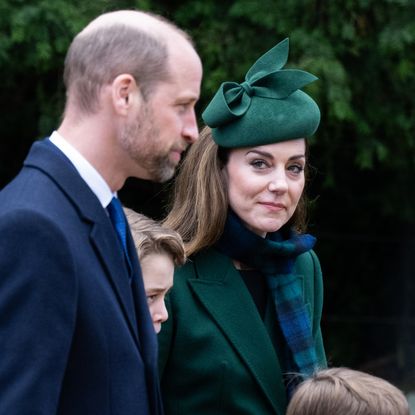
343 391
151 237
200 198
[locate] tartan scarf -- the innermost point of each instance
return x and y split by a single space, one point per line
275 256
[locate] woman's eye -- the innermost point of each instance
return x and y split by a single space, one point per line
259 164
296 168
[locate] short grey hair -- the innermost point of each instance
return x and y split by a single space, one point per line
97 57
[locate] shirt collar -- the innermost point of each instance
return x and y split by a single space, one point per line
85 169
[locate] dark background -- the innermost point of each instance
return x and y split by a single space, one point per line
363 209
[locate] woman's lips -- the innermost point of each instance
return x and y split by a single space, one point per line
275 207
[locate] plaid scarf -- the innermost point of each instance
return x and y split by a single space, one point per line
275 256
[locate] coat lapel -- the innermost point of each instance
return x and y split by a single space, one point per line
103 239
147 336
225 296
46 157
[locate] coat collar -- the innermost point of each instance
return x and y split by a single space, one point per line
225 296
51 161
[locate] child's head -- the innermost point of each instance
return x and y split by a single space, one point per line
343 391
159 249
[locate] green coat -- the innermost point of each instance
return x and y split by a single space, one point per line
216 354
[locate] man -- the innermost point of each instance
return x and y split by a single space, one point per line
75 332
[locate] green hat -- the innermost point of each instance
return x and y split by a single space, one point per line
268 107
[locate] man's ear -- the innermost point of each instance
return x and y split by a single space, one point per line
125 93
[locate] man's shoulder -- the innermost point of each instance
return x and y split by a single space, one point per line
31 189
48 182
37 168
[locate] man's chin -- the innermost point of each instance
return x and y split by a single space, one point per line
163 174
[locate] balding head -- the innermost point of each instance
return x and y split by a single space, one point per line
125 41
146 21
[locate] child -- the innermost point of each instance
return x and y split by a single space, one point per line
343 391
159 249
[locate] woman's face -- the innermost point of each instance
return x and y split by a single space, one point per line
265 183
157 270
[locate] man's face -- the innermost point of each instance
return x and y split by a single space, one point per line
165 124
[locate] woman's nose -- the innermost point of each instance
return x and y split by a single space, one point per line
278 183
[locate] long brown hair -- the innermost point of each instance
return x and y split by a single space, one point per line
200 200
200 197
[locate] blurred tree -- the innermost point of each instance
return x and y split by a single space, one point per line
35 36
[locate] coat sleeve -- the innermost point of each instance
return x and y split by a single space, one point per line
37 312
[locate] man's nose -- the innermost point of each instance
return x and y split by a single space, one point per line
190 128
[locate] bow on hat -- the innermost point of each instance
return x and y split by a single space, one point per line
264 79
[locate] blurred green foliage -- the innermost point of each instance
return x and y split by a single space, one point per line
362 51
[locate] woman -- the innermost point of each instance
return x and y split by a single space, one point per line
245 310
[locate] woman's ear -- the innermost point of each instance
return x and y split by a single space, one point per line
125 94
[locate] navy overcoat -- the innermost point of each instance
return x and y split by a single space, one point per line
76 337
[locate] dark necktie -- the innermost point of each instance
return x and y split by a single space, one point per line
117 217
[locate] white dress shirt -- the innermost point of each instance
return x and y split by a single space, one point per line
85 169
